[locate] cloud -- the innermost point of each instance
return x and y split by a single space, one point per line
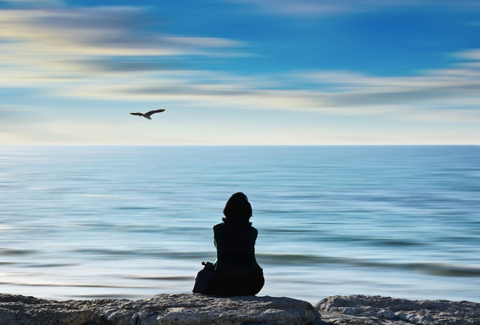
469 55
49 44
32 2
315 8
14 121
112 53
446 95
112 31
6 111
124 66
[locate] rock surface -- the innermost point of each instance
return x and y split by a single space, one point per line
191 309
369 310
194 309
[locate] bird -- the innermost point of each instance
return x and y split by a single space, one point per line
148 114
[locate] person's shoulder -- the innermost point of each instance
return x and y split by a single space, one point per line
219 225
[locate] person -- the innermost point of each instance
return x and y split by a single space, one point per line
236 271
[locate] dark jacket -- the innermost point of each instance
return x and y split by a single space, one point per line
237 272
235 243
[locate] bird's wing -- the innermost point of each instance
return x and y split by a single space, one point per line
153 112
139 114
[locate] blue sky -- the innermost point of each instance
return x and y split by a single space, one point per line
233 72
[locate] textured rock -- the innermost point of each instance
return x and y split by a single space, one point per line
366 310
191 309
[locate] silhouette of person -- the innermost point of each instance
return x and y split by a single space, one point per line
236 271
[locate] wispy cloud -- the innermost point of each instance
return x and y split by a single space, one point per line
473 55
37 45
314 8
108 53
6 111
115 31
447 95
32 2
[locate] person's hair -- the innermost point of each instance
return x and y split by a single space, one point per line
238 209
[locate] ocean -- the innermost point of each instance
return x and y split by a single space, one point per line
83 222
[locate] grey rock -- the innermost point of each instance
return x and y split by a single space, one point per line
194 309
191 309
366 310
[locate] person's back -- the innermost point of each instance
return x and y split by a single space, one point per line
235 248
236 269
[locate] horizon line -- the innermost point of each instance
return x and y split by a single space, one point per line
239 145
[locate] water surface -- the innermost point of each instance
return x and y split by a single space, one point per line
80 222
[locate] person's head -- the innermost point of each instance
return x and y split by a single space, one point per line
238 209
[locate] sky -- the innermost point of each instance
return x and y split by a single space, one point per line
240 72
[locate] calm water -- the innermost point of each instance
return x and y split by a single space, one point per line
132 222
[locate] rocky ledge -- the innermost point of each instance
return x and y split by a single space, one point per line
191 309
369 310
194 309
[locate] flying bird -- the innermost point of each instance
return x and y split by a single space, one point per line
148 114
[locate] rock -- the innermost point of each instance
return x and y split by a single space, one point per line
366 310
195 309
191 309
